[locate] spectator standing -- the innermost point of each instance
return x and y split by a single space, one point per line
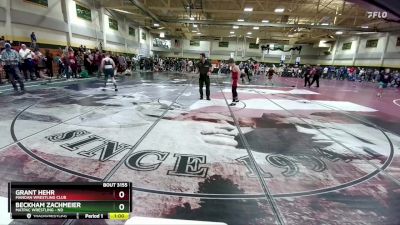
33 40
2 42
48 60
368 74
247 71
351 73
60 64
73 63
40 63
10 59
79 61
362 74
376 75
325 72
270 74
65 63
121 64
190 65
27 65
88 61
307 75
384 81
316 74
128 62
396 79
134 63
331 72
97 61
184 63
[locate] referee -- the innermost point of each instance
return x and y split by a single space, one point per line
204 68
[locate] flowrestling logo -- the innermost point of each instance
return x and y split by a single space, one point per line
377 14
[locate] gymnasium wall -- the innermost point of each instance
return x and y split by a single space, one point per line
51 24
384 54
58 24
240 49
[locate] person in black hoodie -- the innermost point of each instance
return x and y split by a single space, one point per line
48 60
316 75
307 75
384 81
247 71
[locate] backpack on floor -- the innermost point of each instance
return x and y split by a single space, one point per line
84 74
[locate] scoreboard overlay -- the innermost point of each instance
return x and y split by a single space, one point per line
97 200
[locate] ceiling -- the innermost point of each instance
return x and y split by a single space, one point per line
302 21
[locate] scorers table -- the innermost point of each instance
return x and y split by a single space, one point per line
97 200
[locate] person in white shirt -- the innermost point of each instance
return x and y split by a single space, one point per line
134 63
190 64
108 67
325 72
27 66
362 74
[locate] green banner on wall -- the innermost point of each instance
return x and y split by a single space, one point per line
279 47
132 31
39 2
83 12
113 24
346 46
254 46
371 43
194 43
223 44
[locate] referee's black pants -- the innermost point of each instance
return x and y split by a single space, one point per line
206 80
